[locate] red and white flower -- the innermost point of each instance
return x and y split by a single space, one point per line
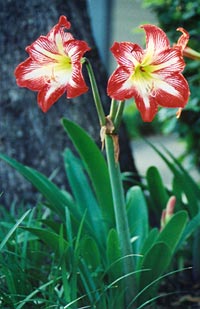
54 66
153 75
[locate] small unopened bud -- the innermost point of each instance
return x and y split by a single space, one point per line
168 211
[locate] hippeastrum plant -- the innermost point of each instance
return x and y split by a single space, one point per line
152 76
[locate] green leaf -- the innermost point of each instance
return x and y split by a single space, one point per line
158 250
113 254
150 240
190 187
58 201
30 297
138 217
154 263
53 225
173 230
13 229
182 178
90 253
156 188
51 239
96 168
147 244
114 271
195 254
84 195
190 228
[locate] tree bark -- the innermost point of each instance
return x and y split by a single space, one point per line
26 133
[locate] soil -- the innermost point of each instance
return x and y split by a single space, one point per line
183 292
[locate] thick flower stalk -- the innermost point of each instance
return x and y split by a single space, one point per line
191 53
54 66
152 76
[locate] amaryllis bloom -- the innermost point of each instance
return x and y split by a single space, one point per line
151 76
54 66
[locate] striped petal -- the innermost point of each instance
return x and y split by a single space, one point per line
48 95
118 87
168 61
127 53
34 76
43 50
172 92
183 40
156 39
147 107
76 85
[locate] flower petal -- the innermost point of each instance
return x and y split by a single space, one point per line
168 61
172 92
118 88
156 40
127 53
183 40
76 85
49 94
59 28
44 50
75 49
31 75
147 107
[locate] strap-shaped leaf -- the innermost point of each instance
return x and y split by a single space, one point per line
13 229
84 196
172 232
57 200
50 238
96 167
137 216
190 228
154 263
113 253
183 179
89 251
157 190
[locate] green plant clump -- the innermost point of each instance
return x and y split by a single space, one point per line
65 253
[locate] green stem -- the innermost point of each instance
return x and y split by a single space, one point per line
113 109
118 116
95 91
116 184
116 112
121 217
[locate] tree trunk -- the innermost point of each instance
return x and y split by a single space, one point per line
26 133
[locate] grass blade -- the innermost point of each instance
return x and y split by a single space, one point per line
13 229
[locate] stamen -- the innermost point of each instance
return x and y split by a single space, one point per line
53 77
178 113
